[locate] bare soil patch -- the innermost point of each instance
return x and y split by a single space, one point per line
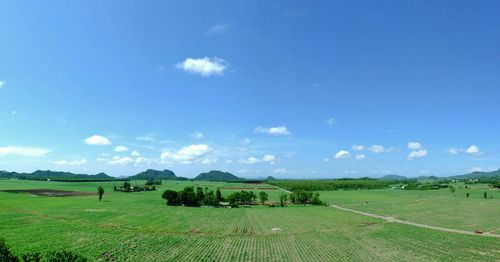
49 192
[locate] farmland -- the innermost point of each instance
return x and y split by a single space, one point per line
140 227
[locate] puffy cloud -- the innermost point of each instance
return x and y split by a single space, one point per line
417 154
203 66
453 151
187 155
2 83
135 153
120 161
147 137
80 162
218 29
277 131
414 145
331 121
481 169
473 150
246 141
97 140
377 149
342 154
360 157
197 135
23 151
209 160
358 147
120 149
267 158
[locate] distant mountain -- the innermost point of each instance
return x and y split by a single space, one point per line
220 176
393 177
155 175
271 178
478 175
56 176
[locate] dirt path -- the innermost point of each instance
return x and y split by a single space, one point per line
282 189
395 220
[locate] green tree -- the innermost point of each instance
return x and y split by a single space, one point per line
467 194
485 194
31 257
200 195
100 191
5 253
218 195
172 197
263 197
188 197
283 199
452 190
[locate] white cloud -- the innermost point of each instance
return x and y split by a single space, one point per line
2 83
377 149
267 158
246 141
197 135
218 29
280 171
453 151
277 131
116 160
414 145
342 154
417 154
481 169
147 137
80 162
326 159
209 160
187 155
23 151
358 147
331 121
135 153
120 149
473 150
97 140
203 66
360 157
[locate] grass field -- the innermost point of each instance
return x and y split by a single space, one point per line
140 227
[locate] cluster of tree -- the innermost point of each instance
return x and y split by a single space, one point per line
193 198
242 198
414 185
152 182
127 187
336 184
495 184
6 255
305 197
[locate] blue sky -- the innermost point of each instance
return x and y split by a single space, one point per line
283 88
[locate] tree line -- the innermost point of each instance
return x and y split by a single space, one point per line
336 184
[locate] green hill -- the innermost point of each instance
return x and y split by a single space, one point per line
393 177
155 175
220 176
56 176
480 175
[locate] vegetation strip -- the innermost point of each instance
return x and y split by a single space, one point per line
395 220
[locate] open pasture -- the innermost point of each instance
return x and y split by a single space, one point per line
140 227
432 207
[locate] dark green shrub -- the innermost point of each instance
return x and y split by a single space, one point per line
31 257
5 253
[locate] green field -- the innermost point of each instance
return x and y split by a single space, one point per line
140 227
